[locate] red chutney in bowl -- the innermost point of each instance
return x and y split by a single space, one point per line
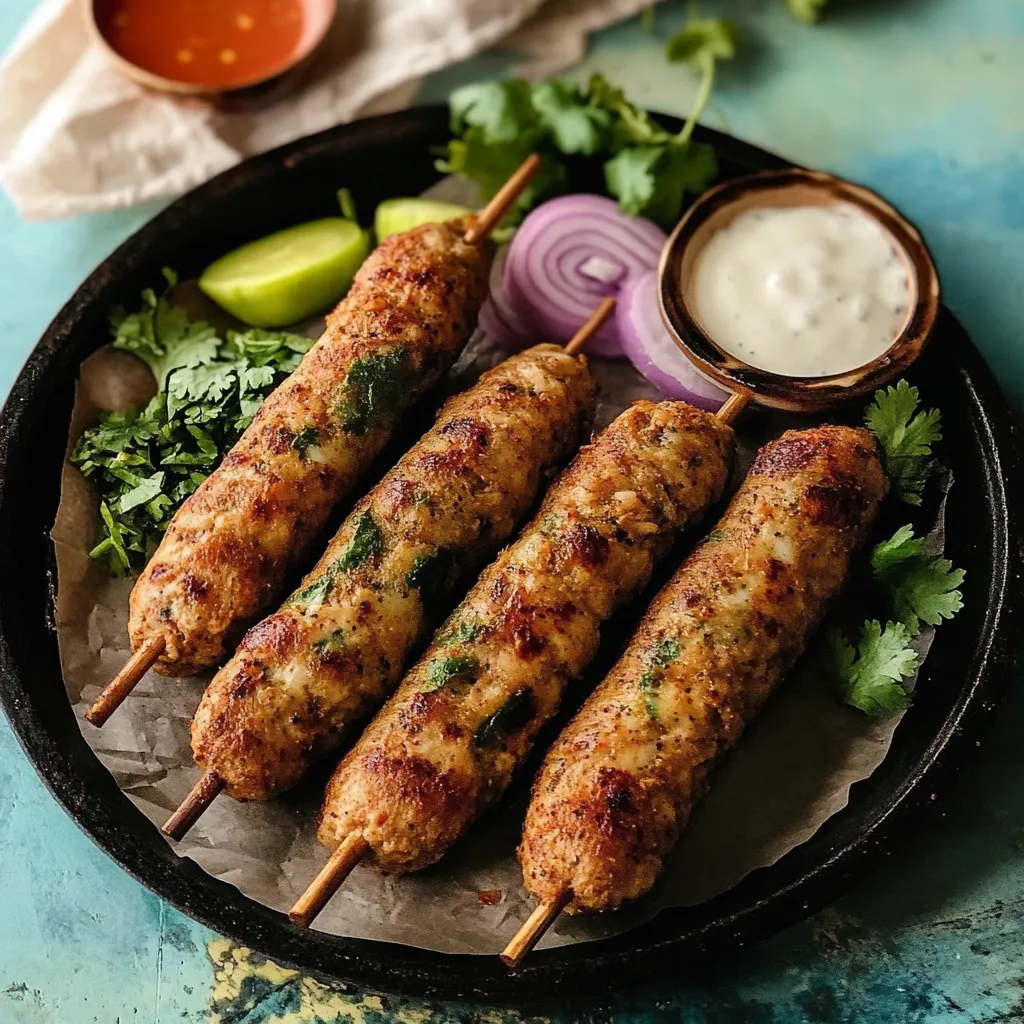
216 44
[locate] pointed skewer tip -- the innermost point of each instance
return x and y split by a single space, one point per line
204 792
533 928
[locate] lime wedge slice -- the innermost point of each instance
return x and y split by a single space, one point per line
397 215
288 276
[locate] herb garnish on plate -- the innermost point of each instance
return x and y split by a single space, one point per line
917 588
146 463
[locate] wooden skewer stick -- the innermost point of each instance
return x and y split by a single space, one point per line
587 331
192 807
733 406
125 681
487 220
352 850
533 928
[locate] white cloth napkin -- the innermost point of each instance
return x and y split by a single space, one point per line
76 137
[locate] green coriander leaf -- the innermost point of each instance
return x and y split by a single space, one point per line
208 383
575 126
314 593
927 591
649 684
905 437
701 40
444 670
329 645
871 678
113 544
651 181
632 175
460 632
367 543
898 548
163 336
256 379
921 588
514 714
503 110
307 437
375 386
430 575
145 491
663 653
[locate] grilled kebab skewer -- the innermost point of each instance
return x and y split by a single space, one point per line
221 563
305 675
467 714
620 783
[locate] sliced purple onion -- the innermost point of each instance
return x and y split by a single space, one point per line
499 320
569 254
653 351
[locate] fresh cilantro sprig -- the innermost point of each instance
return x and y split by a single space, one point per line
905 436
920 589
146 463
870 675
496 125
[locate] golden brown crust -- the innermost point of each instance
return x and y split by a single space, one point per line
621 781
472 706
302 677
407 317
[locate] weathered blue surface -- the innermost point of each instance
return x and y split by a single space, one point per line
922 99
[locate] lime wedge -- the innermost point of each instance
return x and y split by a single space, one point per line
397 215
288 276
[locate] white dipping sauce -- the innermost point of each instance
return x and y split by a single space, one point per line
802 291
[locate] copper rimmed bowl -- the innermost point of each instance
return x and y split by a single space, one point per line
792 186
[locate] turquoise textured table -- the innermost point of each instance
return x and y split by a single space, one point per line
920 99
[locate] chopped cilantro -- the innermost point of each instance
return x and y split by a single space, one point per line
375 387
922 588
444 670
663 653
307 437
660 656
330 644
145 463
870 676
460 632
905 436
515 713
367 542
313 594
430 575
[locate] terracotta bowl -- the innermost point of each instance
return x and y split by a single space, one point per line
319 16
716 209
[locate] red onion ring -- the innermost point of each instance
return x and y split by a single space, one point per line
498 319
569 254
653 351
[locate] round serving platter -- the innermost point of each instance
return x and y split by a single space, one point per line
959 687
